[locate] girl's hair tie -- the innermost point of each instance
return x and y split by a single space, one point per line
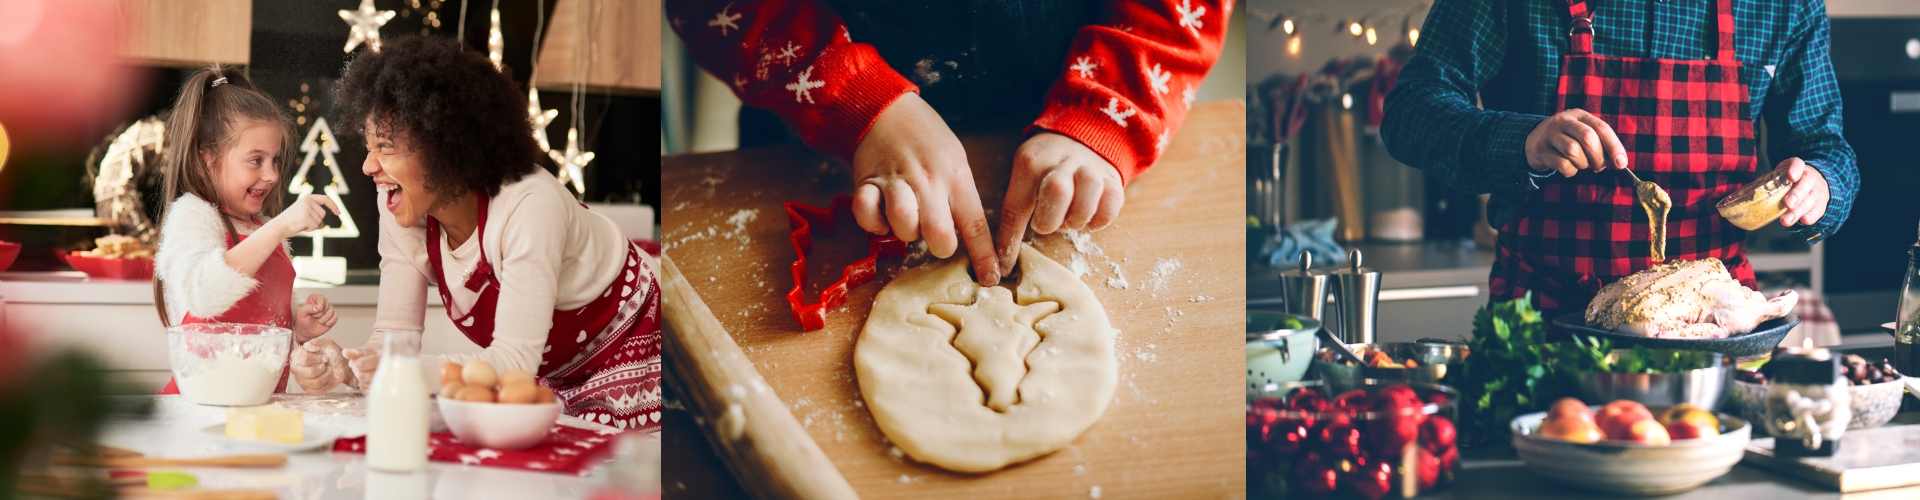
217 83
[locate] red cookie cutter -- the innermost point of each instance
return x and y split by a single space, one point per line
803 218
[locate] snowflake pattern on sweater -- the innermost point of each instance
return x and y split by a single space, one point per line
1115 94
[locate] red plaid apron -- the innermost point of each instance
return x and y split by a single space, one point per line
1686 127
602 360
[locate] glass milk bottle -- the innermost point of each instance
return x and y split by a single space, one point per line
1906 353
397 407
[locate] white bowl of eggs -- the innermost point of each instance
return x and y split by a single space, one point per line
487 409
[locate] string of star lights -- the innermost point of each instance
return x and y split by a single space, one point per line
573 161
1363 28
365 23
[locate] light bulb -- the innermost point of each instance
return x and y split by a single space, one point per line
1293 45
1354 28
1287 25
1346 101
1413 36
1372 37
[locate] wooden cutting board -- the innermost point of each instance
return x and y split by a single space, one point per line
1174 427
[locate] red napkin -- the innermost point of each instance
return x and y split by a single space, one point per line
569 450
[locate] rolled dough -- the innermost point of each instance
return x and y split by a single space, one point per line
928 397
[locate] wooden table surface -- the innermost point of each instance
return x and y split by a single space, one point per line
1174 427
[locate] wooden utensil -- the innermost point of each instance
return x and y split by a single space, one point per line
227 461
1655 201
765 445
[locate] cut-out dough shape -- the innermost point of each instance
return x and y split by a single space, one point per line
921 388
997 335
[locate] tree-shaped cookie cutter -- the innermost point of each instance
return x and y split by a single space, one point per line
803 218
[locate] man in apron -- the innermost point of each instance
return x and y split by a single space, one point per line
1572 89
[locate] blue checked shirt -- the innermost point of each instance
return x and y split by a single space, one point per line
1508 54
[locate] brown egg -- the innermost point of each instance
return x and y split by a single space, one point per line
450 373
480 373
520 394
476 394
452 390
516 376
545 396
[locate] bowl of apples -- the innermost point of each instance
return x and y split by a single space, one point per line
1625 447
487 409
1381 438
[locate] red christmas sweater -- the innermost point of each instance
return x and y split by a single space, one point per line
1126 88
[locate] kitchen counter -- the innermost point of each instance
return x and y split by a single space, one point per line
173 431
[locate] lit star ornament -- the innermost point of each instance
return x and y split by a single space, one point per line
572 161
366 24
541 118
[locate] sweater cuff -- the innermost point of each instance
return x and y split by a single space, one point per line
1095 130
841 127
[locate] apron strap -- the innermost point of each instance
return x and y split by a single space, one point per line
482 272
1723 22
1581 29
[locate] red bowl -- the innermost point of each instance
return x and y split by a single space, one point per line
8 252
85 264
126 269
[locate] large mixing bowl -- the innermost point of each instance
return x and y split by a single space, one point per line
1701 387
1435 360
1873 405
1276 355
227 364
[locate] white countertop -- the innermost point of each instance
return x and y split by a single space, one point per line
173 430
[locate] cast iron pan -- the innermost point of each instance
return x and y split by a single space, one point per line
1758 342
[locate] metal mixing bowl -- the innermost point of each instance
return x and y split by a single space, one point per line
1436 359
1702 387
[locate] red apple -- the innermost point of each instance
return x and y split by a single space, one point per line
1316 476
1643 430
1437 433
1570 408
1340 441
1396 422
1372 481
1685 421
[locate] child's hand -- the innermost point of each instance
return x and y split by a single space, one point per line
313 319
362 363
306 214
912 161
1057 182
318 366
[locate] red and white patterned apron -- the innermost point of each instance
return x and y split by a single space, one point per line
270 303
1686 126
602 360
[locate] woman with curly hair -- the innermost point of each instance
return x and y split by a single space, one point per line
526 272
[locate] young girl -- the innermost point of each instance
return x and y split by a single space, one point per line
218 261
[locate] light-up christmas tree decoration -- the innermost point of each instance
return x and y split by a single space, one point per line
319 267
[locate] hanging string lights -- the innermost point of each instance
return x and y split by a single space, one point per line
1363 28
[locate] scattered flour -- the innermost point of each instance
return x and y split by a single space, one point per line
1094 493
740 219
1079 266
1200 298
1163 269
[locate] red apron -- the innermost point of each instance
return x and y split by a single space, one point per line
1686 127
270 303
602 360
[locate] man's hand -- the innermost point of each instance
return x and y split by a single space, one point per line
1574 140
313 319
318 366
913 179
1057 182
1807 202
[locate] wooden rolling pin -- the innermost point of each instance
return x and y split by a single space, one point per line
228 461
765 447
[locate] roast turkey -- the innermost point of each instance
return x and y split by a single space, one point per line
1688 299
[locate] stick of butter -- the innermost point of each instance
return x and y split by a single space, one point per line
264 423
